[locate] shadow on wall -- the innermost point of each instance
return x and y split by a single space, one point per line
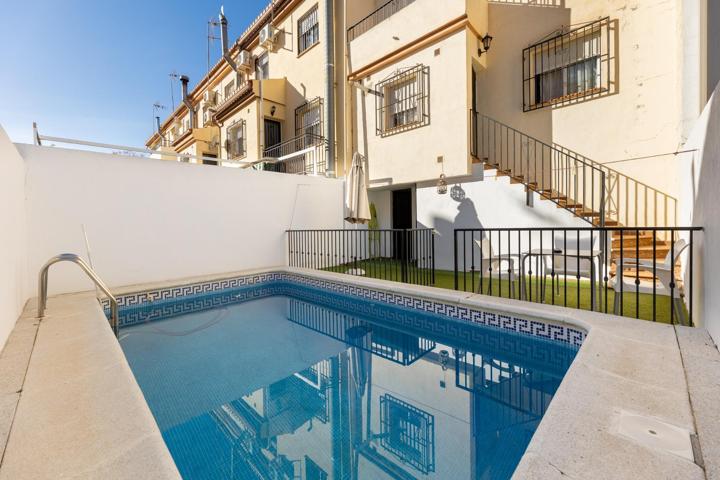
466 217
531 3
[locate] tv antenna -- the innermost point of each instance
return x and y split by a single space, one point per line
212 25
157 108
174 76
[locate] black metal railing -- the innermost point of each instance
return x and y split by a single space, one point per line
555 174
384 12
304 154
630 202
643 273
399 255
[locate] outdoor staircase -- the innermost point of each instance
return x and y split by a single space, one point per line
589 190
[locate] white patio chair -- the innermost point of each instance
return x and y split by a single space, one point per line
663 274
571 266
494 263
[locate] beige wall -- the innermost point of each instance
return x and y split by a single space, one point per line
642 114
408 24
412 155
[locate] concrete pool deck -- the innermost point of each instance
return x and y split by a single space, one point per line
70 405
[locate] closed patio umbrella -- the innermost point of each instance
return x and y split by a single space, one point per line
356 202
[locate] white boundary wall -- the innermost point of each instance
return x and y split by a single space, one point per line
153 220
699 174
147 220
14 290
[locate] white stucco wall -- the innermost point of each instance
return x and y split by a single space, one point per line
14 290
699 174
490 203
149 220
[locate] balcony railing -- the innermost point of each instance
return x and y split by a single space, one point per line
304 154
616 270
384 12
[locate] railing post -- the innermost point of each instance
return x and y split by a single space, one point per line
455 256
602 198
432 255
404 256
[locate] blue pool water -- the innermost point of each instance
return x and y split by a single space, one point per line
285 381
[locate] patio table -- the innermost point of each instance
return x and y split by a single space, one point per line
542 253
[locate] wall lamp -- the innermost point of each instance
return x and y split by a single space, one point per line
486 41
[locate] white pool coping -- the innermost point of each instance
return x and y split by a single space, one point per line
80 412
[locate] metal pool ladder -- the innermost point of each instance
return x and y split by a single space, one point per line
71 257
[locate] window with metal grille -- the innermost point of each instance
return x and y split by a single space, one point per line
568 67
235 143
308 118
308 30
408 433
403 102
262 67
229 89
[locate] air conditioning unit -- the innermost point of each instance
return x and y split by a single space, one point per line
268 35
210 97
245 60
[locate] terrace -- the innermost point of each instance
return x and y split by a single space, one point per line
252 319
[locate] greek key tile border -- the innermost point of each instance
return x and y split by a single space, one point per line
508 322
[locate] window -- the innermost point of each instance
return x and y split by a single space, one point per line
308 118
235 143
229 89
262 67
408 433
567 67
308 30
404 102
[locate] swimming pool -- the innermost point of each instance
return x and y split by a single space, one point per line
284 376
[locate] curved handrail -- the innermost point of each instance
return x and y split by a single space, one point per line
71 257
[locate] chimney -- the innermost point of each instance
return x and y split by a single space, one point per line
223 31
184 81
225 50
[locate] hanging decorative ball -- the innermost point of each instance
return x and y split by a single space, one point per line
442 185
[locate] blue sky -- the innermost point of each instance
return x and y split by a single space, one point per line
93 69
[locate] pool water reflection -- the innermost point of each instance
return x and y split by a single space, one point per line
309 385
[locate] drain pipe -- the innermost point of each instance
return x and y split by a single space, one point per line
184 81
330 87
225 50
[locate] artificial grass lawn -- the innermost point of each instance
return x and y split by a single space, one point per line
391 270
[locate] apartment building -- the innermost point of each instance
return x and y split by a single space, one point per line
264 104
525 113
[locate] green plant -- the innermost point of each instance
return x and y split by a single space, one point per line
373 227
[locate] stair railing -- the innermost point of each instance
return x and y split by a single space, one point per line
631 202
567 180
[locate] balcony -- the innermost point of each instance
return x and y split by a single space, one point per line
385 11
304 155
273 90
396 24
189 136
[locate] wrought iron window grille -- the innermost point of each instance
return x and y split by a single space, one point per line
569 67
405 101
308 30
235 144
